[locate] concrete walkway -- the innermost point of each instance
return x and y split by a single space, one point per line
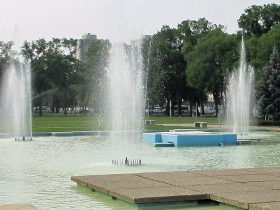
253 188
215 126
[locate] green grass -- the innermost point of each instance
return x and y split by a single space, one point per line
86 123
64 123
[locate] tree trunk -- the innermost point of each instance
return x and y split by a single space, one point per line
53 104
191 109
179 106
40 110
216 101
65 104
40 107
202 108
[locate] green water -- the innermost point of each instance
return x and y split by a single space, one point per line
38 172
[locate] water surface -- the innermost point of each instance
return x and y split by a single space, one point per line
38 172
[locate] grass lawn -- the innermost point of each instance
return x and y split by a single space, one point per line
85 123
64 123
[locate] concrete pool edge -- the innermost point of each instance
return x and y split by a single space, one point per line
191 138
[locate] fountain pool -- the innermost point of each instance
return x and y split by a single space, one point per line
38 172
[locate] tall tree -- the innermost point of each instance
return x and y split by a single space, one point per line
35 53
259 19
54 67
268 90
96 62
154 73
210 61
190 32
259 49
172 63
5 50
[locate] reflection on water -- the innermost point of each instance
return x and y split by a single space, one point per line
39 172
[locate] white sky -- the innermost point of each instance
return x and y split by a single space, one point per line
111 19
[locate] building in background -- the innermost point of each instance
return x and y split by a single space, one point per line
83 45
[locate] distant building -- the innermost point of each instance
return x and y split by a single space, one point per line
83 45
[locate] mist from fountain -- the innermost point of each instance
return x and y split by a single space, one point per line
126 93
240 95
16 108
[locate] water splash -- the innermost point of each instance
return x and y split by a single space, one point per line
126 93
239 94
16 100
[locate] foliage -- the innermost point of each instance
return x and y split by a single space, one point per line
54 67
190 32
210 62
5 50
167 44
259 49
258 20
96 62
268 91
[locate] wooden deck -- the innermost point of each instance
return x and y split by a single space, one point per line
252 188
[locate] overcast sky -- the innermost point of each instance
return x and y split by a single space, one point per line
111 19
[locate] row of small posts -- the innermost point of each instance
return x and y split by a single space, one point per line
127 162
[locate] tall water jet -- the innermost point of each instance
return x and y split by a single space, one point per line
16 100
240 94
126 93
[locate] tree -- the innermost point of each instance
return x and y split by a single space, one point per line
167 47
35 53
54 67
268 90
259 19
5 50
96 62
154 73
64 70
259 49
210 61
190 32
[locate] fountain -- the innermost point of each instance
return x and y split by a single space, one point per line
16 101
125 94
239 95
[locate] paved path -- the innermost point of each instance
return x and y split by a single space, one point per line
253 188
268 128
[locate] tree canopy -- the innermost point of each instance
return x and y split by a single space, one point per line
54 68
268 91
258 20
210 62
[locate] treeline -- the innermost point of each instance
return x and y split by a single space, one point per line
194 59
185 63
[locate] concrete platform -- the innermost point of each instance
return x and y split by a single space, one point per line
21 206
191 138
251 188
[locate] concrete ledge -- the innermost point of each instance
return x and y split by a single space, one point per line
191 138
265 206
